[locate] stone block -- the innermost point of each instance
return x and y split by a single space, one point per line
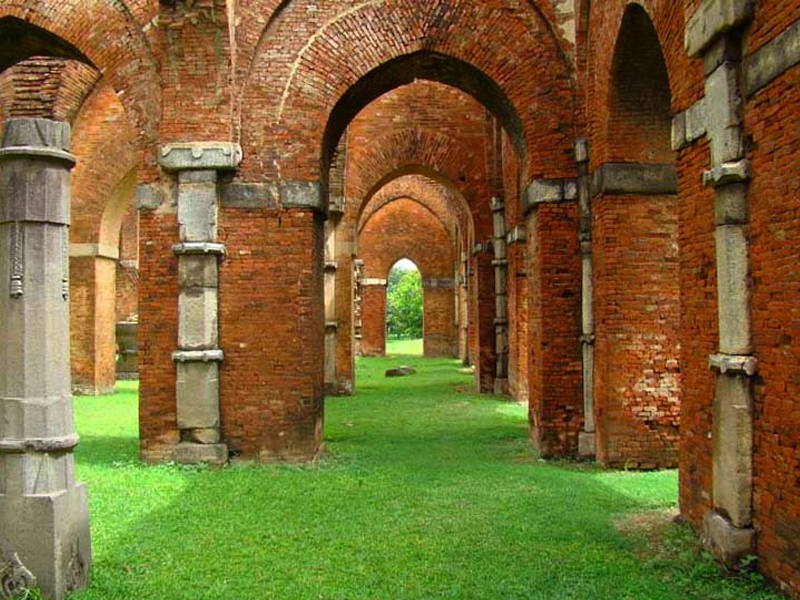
149 197
33 190
771 60
198 395
732 453
728 543
49 536
548 190
724 114
730 204
188 453
198 271
249 195
218 156
301 194
630 178
201 436
732 290
40 133
198 317
587 444
197 211
712 19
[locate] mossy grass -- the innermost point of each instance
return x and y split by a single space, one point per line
425 491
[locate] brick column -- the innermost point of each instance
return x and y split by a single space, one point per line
198 355
439 321
44 517
714 33
373 317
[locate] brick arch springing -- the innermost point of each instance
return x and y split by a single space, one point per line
288 97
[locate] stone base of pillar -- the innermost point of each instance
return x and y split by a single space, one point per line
730 544
587 444
342 387
501 386
46 536
193 454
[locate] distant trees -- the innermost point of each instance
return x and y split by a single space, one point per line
404 303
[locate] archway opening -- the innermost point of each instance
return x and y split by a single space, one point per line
404 309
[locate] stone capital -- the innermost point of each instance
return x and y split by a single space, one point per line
206 156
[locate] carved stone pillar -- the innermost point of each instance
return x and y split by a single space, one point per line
331 324
199 355
500 264
44 516
586 438
714 33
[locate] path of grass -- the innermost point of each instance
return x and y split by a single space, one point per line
426 492
404 347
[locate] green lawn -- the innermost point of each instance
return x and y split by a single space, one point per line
426 491
406 347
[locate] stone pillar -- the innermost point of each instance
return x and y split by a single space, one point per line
714 33
500 264
358 268
463 310
586 438
198 355
331 324
44 516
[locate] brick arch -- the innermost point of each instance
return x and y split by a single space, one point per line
107 36
639 103
446 203
406 228
491 50
457 201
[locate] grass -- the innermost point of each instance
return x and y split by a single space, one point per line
426 492
404 347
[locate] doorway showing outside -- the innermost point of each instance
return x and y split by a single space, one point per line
404 309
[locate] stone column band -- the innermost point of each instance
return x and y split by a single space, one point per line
44 516
198 355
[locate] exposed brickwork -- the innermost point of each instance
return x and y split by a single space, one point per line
286 78
771 119
406 228
554 375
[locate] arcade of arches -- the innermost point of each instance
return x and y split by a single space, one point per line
602 199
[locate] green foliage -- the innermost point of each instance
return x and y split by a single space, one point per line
426 492
404 303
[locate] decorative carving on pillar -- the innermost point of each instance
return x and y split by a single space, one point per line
17 286
76 569
15 578
65 264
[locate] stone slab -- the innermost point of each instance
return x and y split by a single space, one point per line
728 543
772 60
198 395
712 19
198 313
49 534
197 211
733 294
548 191
220 156
250 195
587 444
635 178
198 271
732 452
195 454
301 194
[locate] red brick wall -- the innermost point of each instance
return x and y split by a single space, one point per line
406 228
373 319
637 369
271 330
554 375
771 119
